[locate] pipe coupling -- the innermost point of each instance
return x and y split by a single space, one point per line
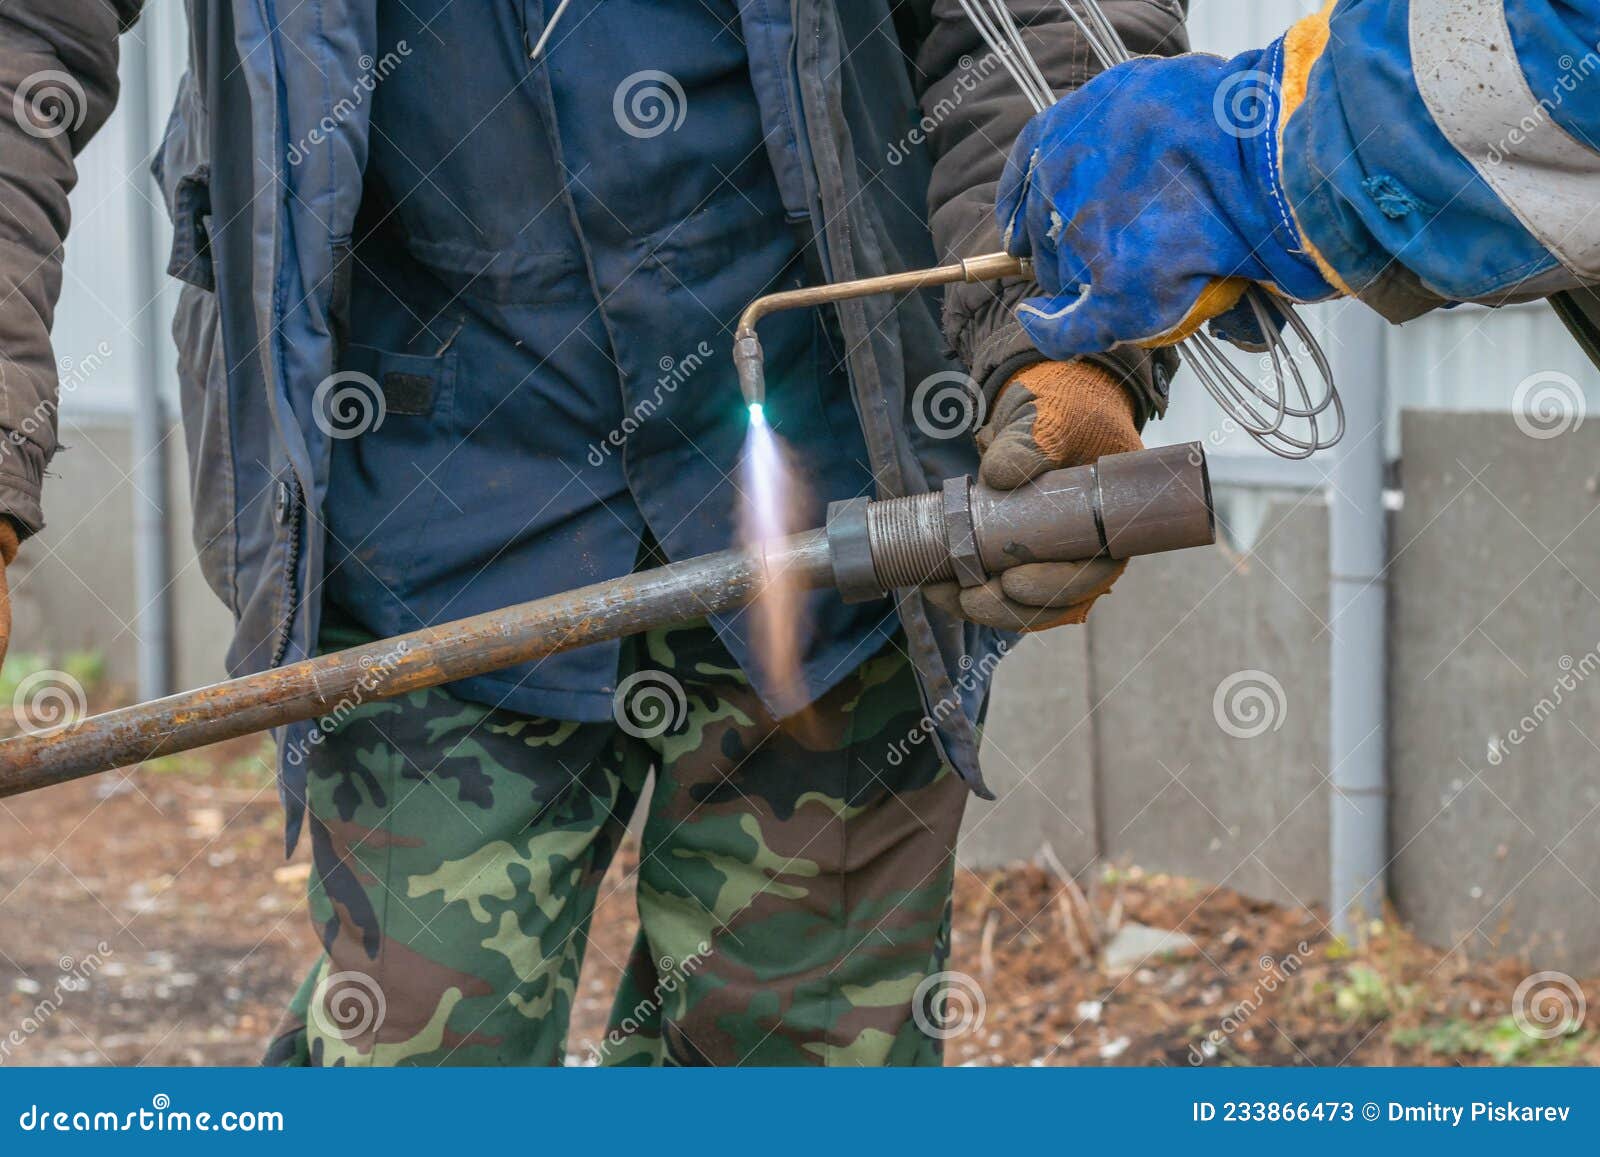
1144 502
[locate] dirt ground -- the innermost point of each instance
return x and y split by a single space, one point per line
156 909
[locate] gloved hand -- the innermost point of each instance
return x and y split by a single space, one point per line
1050 415
1150 199
8 553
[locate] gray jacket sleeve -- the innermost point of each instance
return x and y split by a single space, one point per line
972 112
58 84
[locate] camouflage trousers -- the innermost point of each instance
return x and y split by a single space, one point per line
793 887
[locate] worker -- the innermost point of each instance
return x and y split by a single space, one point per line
1411 155
458 284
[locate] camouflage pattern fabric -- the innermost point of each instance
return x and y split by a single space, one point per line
793 887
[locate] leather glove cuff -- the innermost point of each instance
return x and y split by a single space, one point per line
1082 412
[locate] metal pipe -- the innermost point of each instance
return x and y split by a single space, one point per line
152 558
426 658
1358 659
750 361
1126 504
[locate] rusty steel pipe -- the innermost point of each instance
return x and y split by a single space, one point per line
1127 504
388 667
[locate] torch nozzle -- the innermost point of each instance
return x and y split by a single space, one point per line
750 362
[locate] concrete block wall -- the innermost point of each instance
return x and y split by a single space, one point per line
72 585
1157 780
1494 704
1495 607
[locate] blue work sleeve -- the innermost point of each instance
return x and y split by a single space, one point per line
1440 151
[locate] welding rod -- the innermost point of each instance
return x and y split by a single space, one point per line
1124 505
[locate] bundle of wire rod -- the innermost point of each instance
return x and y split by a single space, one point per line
1287 412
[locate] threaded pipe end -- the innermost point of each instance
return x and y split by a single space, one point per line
909 543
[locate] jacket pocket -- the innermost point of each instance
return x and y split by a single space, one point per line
208 438
391 416
183 173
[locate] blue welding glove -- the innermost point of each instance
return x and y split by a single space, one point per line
1150 200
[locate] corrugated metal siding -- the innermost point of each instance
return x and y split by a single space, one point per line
102 296
1227 27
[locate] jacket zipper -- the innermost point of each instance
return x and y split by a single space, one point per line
291 578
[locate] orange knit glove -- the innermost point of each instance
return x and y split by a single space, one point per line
8 552
1050 415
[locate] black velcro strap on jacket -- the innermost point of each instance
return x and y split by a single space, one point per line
407 393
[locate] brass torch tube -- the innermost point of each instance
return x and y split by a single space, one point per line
747 353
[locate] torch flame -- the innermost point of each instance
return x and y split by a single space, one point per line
773 504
